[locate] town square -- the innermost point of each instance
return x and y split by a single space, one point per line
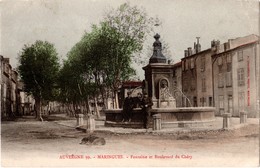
96 83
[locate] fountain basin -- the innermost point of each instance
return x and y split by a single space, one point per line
186 116
186 113
171 117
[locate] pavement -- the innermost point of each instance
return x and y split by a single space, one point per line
217 124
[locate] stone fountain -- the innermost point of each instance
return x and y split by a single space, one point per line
159 86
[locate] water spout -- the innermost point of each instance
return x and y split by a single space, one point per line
176 89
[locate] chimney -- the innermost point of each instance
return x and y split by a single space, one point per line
189 51
215 46
198 46
6 60
185 53
230 44
213 43
226 46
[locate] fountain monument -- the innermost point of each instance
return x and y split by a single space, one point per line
160 87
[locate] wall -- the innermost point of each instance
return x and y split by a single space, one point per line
249 89
189 81
233 43
243 94
6 96
223 89
257 56
1 83
10 104
177 84
204 79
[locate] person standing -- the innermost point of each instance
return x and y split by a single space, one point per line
127 108
138 100
146 109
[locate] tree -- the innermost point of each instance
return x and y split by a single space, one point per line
76 77
128 26
38 69
102 59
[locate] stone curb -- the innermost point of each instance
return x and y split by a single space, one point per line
135 131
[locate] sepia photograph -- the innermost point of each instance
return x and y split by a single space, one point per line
129 83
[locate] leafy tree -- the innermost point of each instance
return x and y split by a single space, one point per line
38 68
112 62
128 26
102 59
76 79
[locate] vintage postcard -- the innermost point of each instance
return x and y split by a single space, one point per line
140 83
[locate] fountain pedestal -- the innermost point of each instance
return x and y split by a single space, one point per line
80 119
226 120
157 122
90 127
243 117
159 80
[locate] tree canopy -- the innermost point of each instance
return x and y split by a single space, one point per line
102 59
39 67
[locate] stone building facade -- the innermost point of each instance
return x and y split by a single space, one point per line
225 76
204 79
177 84
25 102
197 77
236 77
6 88
13 100
14 92
1 84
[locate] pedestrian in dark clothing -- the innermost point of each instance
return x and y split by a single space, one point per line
146 110
138 100
127 108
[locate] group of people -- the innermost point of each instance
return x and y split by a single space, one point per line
140 101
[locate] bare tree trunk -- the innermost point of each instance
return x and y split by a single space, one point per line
104 98
67 110
81 104
88 105
71 113
38 109
105 102
96 107
116 100
74 109
48 108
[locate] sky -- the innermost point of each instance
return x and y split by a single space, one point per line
63 22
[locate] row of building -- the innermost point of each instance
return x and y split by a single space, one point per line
13 100
225 76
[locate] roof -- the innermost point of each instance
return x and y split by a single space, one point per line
196 54
132 83
177 64
238 47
